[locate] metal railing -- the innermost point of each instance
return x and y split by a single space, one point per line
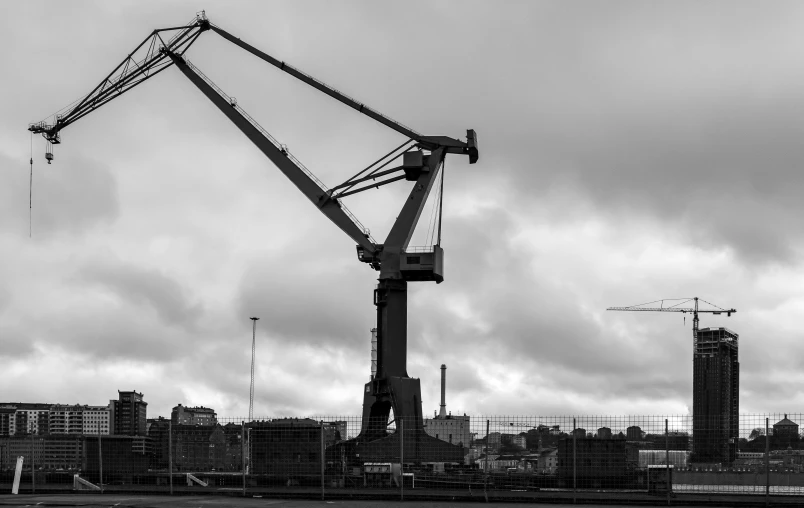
582 458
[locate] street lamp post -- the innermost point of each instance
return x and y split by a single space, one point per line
33 470
253 349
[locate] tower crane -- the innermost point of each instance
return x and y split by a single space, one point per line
422 160
679 307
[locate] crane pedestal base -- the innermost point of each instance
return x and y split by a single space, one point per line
402 394
418 447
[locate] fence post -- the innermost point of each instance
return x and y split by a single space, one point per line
170 455
243 452
667 458
322 460
574 465
100 460
33 469
402 459
486 465
767 463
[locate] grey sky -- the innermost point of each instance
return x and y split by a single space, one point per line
630 151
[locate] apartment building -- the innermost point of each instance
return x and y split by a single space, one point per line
97 420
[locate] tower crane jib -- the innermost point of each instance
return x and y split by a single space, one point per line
683 305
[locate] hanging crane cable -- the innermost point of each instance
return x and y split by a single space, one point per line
434 223
441 198
30 195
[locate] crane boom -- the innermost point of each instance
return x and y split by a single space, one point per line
299 175
679 309
429 142
319 85
676 307
128 74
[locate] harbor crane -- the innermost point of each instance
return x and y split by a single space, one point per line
679 307
422 158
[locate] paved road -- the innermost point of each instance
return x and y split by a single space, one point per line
112 500
136 500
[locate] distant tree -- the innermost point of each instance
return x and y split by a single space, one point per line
510 449
757 432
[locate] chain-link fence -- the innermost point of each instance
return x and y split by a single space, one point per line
452 455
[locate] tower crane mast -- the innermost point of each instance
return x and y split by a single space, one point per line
422 160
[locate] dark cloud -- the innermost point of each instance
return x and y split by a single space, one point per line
142 287
308 295
5 299
67 199
672 130
119 335
14 343
513 317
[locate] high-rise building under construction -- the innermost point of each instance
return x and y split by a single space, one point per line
715 396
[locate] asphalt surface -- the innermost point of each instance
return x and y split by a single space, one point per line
107 500
213 501
231 498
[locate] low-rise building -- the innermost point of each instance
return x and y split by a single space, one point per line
451 429
200 415
55 451
548 461
593 462
678 458
785 433
633 433
604 433
288 445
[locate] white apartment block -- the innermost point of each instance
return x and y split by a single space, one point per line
56 419
97 420
29 421
65 420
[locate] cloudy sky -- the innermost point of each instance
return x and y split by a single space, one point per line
629 152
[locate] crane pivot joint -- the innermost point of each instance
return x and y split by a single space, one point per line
414 163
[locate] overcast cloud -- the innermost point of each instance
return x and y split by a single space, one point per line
629 152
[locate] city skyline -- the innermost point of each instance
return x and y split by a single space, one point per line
631 152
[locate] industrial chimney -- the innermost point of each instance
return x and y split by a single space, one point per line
443 413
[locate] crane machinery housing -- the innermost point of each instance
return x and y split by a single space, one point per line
422 158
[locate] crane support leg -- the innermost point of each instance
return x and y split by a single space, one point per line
391 299
391 388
